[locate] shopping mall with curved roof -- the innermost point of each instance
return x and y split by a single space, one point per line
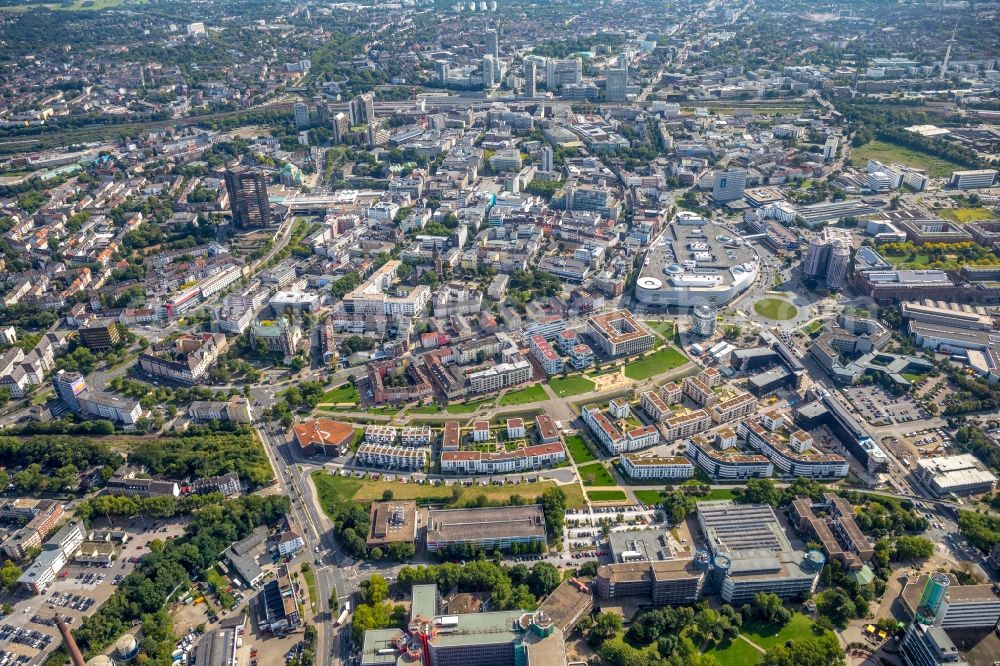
696 261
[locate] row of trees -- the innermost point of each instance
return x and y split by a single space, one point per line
143 595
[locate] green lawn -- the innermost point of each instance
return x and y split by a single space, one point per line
719 494
606 495
736 653
534 393
578 450
332 489
426 409
813 328
567 386
666 358
888 152
649 496
664 328
345 393
596 474
775 308
468 408
913 378
966 214
311 585
767 637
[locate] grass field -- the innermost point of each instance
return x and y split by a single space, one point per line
888 152
311 585
813 328
460 408
664 328
426 409
578 450
719 494
649 496
767 636
606 495
659 361
596 474
567 386
736 653
966 214
775 308
365 491
523 396
341 394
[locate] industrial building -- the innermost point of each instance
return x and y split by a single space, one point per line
394 521
962 474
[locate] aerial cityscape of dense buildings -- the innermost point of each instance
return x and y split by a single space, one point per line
616 332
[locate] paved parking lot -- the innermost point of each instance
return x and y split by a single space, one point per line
80 589
880 408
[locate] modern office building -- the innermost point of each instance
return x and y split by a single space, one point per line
487 528
559 73
729 185
394 521
750 553
530 80
617 84
248 198
829 256
937 600
970 180
827 410
497 638
839 533
301 115
493 43
375 296
664 582
703 320
69 385
361 110
619 333
924 645
547 157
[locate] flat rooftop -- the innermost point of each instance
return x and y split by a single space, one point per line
457 525
392 522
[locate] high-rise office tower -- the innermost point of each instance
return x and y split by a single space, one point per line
489 71
248 198
322 115
530 86
442 72
547 165
301 115
493 43
361 110
559 73
68 385
729 185
617 84
340 126
839 265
